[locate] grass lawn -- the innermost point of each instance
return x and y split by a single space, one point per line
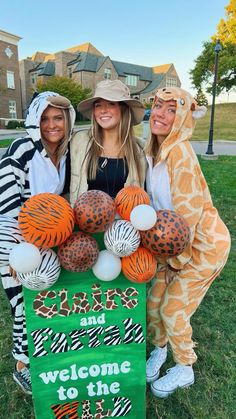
214 329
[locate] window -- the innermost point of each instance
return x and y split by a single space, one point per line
69 72
10 80
33 78
171 81
12 109
107 73
131 80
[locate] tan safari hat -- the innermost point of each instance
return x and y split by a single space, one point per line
59 102
113 91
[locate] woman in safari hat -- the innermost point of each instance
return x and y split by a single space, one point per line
108 156
34 164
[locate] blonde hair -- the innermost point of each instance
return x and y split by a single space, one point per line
63 145
127 144
152 147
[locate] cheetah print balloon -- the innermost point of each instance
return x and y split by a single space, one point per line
79 252
94 211
168 237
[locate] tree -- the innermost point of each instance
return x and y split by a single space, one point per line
203 72
65 87
226 29
201 98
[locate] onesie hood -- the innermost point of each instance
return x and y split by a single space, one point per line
38 106
187 111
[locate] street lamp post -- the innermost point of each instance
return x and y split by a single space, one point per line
218 48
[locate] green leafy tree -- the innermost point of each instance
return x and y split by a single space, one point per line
65 87
203 72
201 98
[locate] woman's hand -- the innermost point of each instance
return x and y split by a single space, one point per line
170 273
12 272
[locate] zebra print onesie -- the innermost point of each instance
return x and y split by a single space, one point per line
26 170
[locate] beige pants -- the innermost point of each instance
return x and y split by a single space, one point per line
170 307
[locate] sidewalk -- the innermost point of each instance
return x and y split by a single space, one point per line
220 147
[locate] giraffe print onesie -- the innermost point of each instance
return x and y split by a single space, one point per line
176 182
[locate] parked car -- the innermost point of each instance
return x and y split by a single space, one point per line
147 114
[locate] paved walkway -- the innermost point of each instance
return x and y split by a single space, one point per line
220 147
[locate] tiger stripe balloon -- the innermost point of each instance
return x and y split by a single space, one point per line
46 220
128 198
140 266
122 238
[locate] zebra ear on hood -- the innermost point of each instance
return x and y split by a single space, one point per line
199 111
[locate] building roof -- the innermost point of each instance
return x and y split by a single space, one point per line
144 73
87 47
46 68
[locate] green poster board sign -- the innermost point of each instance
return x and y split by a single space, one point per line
87 347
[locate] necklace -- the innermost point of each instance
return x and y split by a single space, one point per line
113 172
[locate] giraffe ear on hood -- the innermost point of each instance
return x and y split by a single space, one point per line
198 111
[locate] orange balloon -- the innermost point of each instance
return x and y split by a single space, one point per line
46 220
128 198
168 237
140 266
94 211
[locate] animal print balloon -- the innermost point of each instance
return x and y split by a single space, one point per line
78 253
139 267
45 275
94 211
169 236
128 198
121 238
46 220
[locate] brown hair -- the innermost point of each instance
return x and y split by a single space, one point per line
126 142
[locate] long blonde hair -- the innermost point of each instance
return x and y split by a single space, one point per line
126 139
63 145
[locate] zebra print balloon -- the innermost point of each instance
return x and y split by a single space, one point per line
45 275
10 235
121 238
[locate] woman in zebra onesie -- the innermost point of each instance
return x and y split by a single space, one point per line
34 164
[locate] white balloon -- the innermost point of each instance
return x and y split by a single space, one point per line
107 267
24 257
45 275
121 238
143 217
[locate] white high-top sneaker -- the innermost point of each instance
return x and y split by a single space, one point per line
154 363
177 377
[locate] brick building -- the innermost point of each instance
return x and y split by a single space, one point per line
10 89
83 63
87 66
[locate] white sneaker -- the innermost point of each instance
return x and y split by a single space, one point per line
177 377
154 363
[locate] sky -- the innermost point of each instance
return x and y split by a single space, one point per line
147 33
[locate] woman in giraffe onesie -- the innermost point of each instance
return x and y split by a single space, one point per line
175 181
